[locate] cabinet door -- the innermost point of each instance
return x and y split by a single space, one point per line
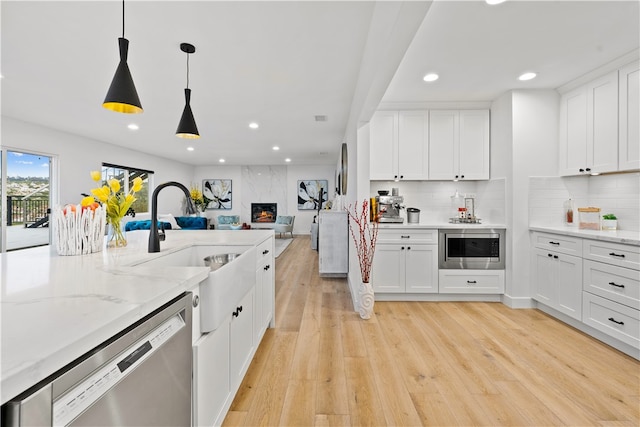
413 145
569 285
602 133
383 145
241 339
629 113
211 375
474 144
387 273
573 132
543 276
443 144
264 298
421 269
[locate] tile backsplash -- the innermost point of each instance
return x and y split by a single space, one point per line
433 198
614 193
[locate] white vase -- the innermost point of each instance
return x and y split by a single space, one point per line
366 298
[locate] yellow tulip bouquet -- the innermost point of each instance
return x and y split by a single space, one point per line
115 202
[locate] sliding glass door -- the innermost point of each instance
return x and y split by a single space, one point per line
26 200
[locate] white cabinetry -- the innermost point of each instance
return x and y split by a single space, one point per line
611 298
264 298
406 261
596 282
557 281
458 144
241 339
589 127
471 281
333 243
629 137
399 145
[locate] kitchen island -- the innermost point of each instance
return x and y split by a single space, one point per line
57 308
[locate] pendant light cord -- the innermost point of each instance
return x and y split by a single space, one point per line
187 70
122 18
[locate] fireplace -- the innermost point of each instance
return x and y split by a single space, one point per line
264 212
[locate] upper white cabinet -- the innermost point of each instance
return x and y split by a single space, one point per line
399 145
629 137
458 144
589 126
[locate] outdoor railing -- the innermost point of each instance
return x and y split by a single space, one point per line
28 211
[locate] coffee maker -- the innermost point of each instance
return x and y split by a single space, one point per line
389 208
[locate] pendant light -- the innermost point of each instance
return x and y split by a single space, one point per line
122 96
187 127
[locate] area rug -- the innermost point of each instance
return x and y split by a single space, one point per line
281 245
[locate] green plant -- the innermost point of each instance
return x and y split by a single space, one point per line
609 216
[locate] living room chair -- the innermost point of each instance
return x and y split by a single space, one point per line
284 224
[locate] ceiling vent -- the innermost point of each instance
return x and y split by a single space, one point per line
321 118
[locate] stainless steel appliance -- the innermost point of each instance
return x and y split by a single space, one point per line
389 208
140 377
468 248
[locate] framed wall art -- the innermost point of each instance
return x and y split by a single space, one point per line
309 194
217 193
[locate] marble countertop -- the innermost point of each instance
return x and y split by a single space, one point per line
618 236
56 308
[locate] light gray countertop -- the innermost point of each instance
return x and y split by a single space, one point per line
437 225
618 236
56 308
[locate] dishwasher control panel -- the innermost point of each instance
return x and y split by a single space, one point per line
85 393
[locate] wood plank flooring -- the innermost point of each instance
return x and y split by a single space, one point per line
424 363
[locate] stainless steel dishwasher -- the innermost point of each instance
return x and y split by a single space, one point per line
140 377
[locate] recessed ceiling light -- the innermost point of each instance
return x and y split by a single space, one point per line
221 160
527 76
287 160
254 125
190 148
133 126
494 2
431 77
275 148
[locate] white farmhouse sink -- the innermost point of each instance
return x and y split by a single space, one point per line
228 281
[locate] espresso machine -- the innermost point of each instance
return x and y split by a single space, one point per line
389 208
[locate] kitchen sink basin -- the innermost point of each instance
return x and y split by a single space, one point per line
232 275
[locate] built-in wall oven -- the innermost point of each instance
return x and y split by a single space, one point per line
471 248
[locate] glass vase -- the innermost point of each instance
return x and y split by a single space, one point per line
116 236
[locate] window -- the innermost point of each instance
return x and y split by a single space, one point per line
126 175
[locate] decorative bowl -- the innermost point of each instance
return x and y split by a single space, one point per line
236 226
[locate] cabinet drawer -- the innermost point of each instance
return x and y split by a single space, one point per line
471 281
558 243
264 250
613 253
615 283
616 320
407 236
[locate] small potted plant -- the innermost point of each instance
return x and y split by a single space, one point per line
609 222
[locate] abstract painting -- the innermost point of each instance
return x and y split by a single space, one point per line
309 194
217 193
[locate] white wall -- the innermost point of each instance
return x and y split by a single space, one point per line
76 156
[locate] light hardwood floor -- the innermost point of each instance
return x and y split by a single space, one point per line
432 364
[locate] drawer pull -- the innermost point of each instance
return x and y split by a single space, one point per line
471 282
405 237
549 255
615 321
266 251
555 257
616 285
554 243
615 254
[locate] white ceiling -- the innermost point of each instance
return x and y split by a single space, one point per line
282 63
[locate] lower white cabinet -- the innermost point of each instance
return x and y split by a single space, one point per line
406 261
211 376
557 281
405 268
241 339
264 297
616 320
471 281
